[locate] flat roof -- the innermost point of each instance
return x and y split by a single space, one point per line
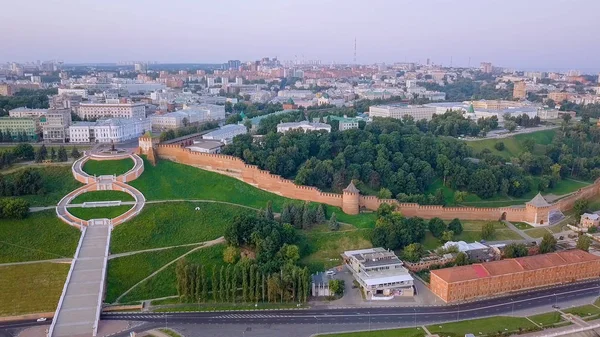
511 266
385 276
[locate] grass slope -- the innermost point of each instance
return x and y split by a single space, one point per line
126 271
322 249
176 223
513 146
484 326
163 283
102 196
40 236
108 167
57 180
31 288
99 212
170 180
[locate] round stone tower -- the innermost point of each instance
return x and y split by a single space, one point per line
350 199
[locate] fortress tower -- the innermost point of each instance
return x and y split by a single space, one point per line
350 199
146 146
537 210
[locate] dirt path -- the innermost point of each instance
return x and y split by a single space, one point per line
206 244
65 260
114 256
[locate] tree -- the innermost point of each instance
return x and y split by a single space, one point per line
231 254
24 151
510 126
222 284
413 252
182 282
483 183
584 243
307 216
269 211
384 193
462 259
459 196
185 121
62 154
513 250
488 231
75 153
499 146
215 284
447 236
14 208
204 294
455 226
437 227
580 207
337 287
320 214
41 154
334 225
548 244
52 154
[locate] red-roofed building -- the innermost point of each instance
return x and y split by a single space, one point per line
499 277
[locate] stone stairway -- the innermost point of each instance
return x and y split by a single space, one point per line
80 304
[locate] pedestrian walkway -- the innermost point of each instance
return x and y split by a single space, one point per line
80 305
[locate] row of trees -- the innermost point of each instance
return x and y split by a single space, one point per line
8 137
453 123
242 282
394 231
61 155
13 208
302 216
24 182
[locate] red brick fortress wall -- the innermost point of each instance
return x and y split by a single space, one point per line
352 202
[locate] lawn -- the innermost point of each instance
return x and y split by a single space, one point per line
163 283
31 288
513 146
585 311
547 319
170 180
57 181
99 212
126 271
472 232
108 167
40 236
321 250
536 232
485 326
406 332
176 223
102 196
522 225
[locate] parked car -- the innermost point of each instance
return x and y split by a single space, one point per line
41 319
330 272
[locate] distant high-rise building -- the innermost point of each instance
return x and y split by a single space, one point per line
239 81
598 77
140 67
210 81
225 80
487 67
520 90
233 64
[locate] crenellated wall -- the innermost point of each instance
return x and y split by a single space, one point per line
352 202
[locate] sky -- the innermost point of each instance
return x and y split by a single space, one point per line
521 34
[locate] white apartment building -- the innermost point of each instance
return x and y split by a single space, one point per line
398 111
112 110
226 133
304 126
171 120
212 112
109 130
81 92
296 94
379 272
24 112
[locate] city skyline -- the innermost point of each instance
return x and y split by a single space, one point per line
531 35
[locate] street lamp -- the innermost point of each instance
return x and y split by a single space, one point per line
513 306
415 310
458 313
369 321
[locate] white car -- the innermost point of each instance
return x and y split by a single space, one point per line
41 319
330 272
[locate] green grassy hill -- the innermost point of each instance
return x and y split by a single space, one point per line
513 146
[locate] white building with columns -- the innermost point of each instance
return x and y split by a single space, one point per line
109 130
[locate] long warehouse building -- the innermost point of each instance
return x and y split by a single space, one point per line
504 276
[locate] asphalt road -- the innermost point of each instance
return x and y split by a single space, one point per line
419 315
365 316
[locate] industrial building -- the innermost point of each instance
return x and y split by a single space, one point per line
510 275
